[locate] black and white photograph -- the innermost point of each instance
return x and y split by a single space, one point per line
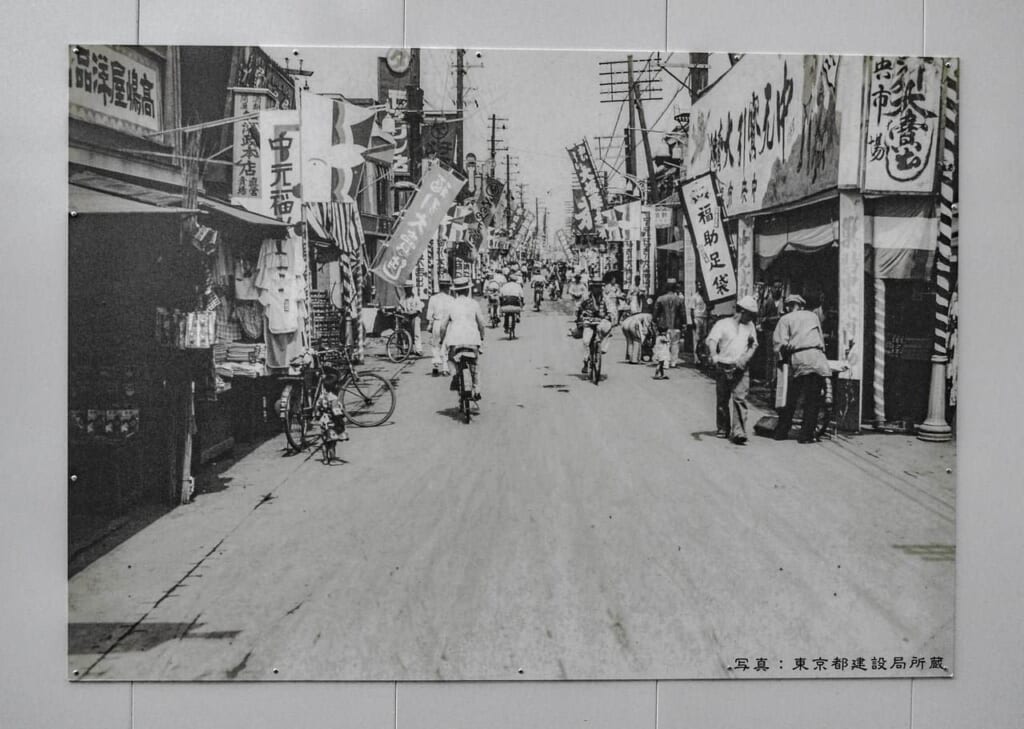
456 364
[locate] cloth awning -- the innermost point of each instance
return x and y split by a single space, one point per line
225 213
805 230
676 245
904 233
85 201
221 214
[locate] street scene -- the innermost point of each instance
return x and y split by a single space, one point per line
390 364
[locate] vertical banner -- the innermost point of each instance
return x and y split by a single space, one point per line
279 165
438 138
418 224
590 185
902 123
648 251
245 153
703 210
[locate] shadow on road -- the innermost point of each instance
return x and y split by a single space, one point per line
89 638
700 434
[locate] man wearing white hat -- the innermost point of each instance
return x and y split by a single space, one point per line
411 306
437 312
731 344
799 343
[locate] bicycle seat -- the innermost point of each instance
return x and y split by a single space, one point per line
464 353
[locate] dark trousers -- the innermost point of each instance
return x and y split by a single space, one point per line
731 402
808 389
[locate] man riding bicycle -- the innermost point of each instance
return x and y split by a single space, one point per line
492 290
511 296
537 282
593 316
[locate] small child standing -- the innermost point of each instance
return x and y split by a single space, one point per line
331 417
661 356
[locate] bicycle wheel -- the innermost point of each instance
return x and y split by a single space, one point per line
595 364
296 424
826 411
367 399
399 345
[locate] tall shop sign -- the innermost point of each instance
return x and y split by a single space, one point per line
280 169
902 126
769 130
702 206
590 185
245 153
418 224
116 87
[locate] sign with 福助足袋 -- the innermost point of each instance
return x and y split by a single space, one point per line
418 224
710 241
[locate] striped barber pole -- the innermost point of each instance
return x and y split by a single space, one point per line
947 199
878 380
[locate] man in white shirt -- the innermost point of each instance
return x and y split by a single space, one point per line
731 344
437 314
411 306
511 296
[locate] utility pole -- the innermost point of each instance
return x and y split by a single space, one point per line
459 102
631 129
652 184
508 192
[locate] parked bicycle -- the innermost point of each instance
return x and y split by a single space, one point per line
366 398
399 343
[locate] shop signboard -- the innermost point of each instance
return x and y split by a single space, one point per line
245 173
419 222
662 216
702 206
902 124
116 87
769 130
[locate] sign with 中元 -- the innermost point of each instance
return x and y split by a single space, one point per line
710 241
280 165
769 130
418 224
902 123
115 87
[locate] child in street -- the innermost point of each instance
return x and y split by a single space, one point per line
662 355
331 417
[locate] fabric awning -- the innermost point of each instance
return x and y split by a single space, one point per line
676 245
905 231
236 214
805 230
132 197
85 201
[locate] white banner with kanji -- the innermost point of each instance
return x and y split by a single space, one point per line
710 241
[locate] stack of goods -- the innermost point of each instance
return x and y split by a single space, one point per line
239 359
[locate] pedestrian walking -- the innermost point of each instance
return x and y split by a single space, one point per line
662 356
670 316
731 344
800 343
437 313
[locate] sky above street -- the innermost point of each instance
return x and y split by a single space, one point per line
550 99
